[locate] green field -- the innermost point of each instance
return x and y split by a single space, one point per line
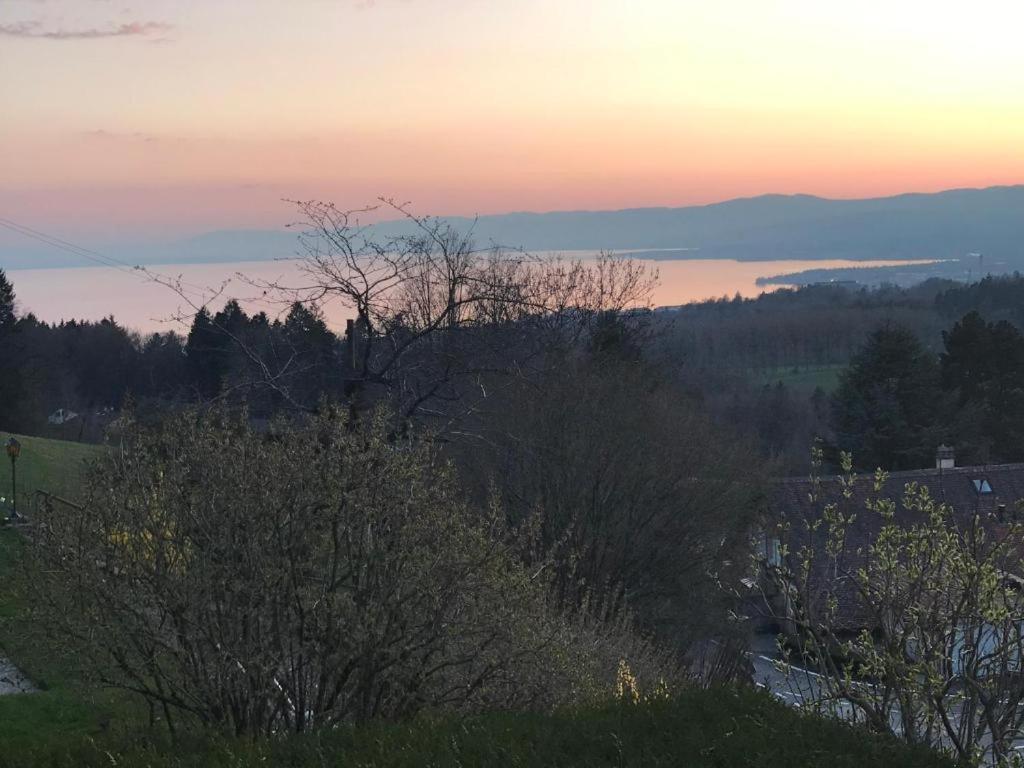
805 378
54 466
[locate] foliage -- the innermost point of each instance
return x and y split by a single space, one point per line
7 302
622 489
63 710
725 351
722 351
894 406
285 364
92 368
888 405
912 612
983 365
313 576
11 381
997 297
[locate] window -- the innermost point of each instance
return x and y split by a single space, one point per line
770 548
773 553
981 486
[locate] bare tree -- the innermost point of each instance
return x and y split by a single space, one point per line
433 314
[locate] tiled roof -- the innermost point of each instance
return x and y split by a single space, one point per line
971 493
956 487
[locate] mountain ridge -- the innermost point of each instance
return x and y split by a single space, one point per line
771 226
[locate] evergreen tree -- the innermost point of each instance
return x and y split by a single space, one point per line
204 356
967 362
887 410
7 316
983 369
10 354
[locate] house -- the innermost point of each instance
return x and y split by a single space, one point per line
62 416
989 497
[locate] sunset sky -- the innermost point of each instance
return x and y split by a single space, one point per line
159 119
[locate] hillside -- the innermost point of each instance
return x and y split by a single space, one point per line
55 466
940 225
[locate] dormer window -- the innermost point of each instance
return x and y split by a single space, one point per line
773 552
770 549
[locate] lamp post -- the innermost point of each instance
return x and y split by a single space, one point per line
14 450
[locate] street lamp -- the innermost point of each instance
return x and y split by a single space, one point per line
14 451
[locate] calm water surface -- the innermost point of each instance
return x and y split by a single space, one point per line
91 293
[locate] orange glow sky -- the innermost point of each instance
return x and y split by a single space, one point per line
164 118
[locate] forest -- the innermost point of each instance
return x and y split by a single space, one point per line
783 370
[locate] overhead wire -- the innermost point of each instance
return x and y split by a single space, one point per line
64 245
92 255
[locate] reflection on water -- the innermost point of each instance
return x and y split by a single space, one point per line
91 293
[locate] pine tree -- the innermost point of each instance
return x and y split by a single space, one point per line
887 410
204 356
983 369
7 315
11 400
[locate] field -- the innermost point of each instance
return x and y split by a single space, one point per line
807 378
54 466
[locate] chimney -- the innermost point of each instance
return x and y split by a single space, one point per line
945 457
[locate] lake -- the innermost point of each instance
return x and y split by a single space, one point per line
91 293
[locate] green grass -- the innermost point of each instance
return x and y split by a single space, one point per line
700 728
805 378
65 710
55 466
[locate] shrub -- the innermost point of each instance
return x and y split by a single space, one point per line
303 578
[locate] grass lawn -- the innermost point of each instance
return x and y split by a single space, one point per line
699 728
65 710
806 378
54 466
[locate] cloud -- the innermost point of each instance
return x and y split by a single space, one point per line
102 134
35 29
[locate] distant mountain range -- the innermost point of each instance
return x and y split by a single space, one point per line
940 225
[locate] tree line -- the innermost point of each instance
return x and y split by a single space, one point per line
897 401
752 365
93 368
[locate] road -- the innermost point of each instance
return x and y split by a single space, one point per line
11 680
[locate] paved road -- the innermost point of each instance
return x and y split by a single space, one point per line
11 680
802 686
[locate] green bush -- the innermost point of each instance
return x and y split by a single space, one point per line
313 576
